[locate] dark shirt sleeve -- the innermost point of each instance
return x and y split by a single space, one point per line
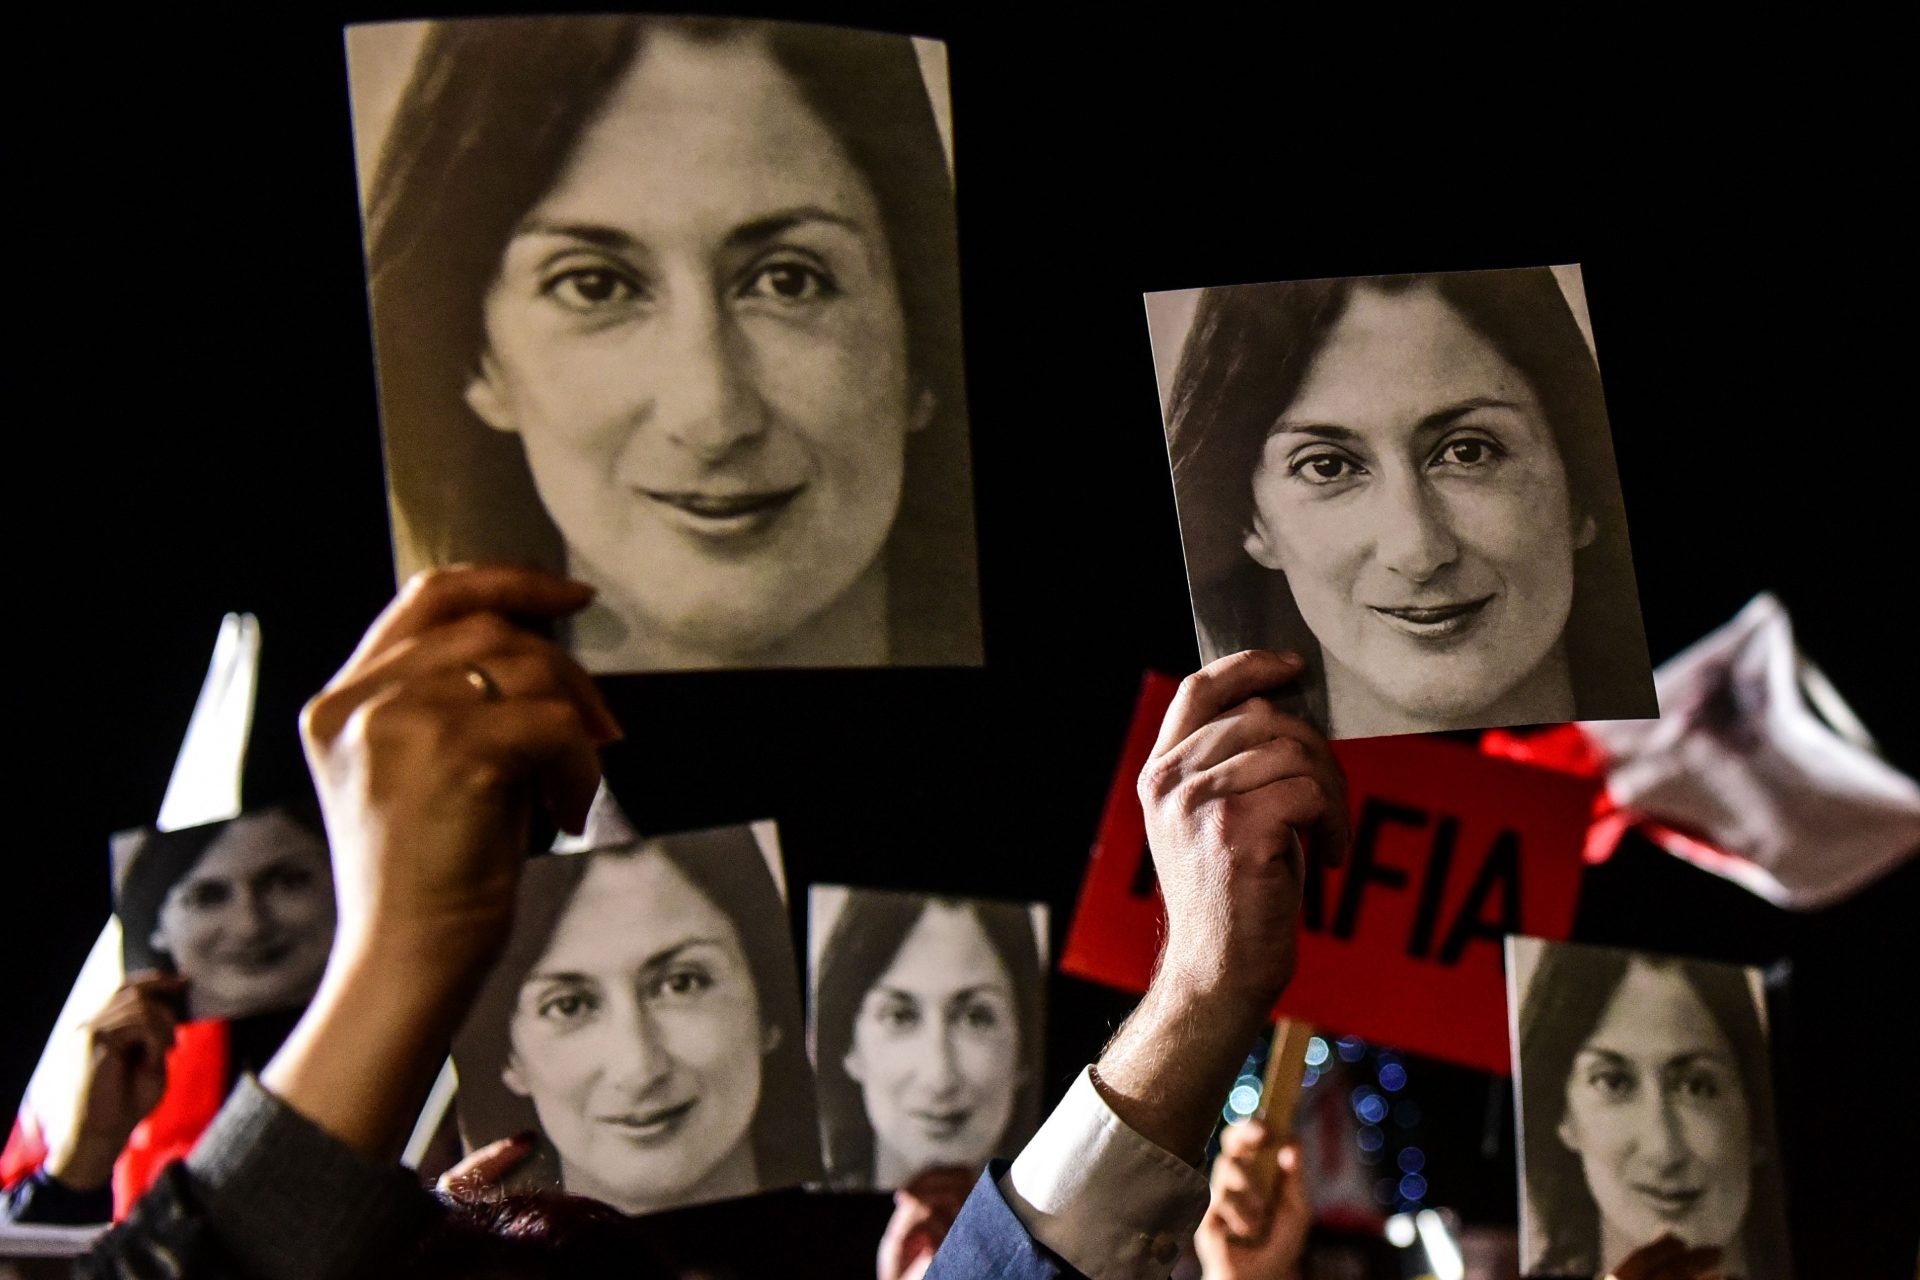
986 1239
42 1198
268 1195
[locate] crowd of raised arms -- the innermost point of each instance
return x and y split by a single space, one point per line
430 781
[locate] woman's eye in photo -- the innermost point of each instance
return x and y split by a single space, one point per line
589 289
1698 1086
683 982
898 1016
287 878
1325 468
789 282
1468 451
1612 1083
568 1006
980 1017
203 895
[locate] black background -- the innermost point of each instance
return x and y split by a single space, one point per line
191 403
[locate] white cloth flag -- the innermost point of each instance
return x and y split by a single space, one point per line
1758 758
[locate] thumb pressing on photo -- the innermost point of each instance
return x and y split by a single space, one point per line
484 1168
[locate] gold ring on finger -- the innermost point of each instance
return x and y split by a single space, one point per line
482 683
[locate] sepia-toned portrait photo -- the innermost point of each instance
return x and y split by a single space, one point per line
1646 1110
645 1021
242 909
927 1030
1410 481
671 305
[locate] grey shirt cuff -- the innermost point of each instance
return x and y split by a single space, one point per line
289 1202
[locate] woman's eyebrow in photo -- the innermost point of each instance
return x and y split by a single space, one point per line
977 990
775 224
1698 1057
1319 430
1454 412
1432 422
611 238
1614 1057
668 955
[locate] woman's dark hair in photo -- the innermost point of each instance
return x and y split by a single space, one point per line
726 867
490 117
867 934
1567 995
1243 363
148 863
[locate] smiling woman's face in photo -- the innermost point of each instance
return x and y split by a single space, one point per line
698 337
250 926
1414 497
936 1049
1657 1114
637 1037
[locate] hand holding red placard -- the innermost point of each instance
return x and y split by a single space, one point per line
1450 850
1231 776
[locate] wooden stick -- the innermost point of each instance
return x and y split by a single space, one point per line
1286 1070
1280 1095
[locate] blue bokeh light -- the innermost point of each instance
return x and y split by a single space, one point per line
1317 1051
1413 1187
1393 1077
1412 1159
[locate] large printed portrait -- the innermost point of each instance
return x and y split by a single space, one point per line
1646 1109
671 305
645 1021
1410 481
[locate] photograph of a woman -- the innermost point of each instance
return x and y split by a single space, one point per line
1646 1110
927 1025
1409 480
671 305
242 909
645 1021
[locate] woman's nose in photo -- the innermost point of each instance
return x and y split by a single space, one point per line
707 400
1660 1135
249 919
938 1069
1415 537
638 1059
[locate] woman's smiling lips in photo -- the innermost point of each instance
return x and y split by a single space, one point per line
654 1127
722 515
1674 1204
1450 621
943 1125
257 958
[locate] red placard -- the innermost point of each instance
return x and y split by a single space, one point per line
1451 851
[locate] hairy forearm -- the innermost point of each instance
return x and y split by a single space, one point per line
1174 1059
